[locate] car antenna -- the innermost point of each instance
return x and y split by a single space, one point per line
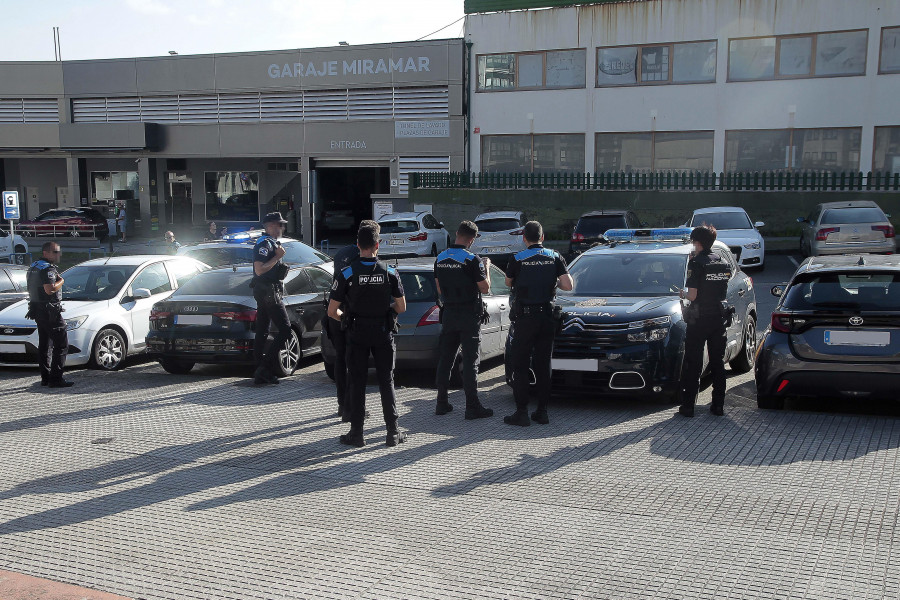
862 261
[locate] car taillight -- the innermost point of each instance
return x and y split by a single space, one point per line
822 234
156 315
781 322
421 237
887 230
517 232
431 317
577 237
243 315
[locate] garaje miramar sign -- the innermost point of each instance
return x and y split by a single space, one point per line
360 66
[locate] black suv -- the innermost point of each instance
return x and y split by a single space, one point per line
591 227
835 332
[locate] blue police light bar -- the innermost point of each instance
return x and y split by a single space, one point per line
243 236
668 234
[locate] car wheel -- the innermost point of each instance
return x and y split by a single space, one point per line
743 362
20 260
434 251
329 370
175 366
109 350
769 402
289 356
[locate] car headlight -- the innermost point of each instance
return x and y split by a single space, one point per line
649 322
650 329
75 322
752 246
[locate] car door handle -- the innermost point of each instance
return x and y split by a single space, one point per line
502 307
741 292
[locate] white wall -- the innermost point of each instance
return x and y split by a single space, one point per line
863 101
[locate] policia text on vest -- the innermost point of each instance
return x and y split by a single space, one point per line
461 278
45 307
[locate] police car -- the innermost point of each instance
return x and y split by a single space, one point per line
237 248
622 330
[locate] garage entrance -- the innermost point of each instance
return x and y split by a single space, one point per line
343 199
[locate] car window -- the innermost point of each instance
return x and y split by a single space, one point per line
857 291
321 280
595 226
182 270
95 282
20 278
154 278
723 220
430 222
224 282
849 216
498 282
813 217
491 225
6 284
301 254
217 257
297 282
399 226
418 286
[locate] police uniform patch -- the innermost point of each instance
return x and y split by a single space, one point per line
264 251
51 276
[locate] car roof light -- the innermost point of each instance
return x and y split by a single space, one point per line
667 234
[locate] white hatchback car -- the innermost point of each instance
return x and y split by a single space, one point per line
499 234
412 234
107 304
12 245
735 229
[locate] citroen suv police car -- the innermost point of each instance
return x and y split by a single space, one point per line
622 330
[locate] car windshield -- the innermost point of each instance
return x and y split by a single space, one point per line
492 225
217 283
399 226
95 282
859 291
301 254
723 220
418 287
632 274
594 227
849 216
217 256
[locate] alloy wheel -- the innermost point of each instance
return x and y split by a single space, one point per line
289 356
110 351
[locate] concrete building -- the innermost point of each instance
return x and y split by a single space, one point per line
184 140
699 85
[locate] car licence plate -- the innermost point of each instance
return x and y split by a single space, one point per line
497 249
858 338
574 364
193 319
12 348
396 242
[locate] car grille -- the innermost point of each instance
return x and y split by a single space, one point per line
6 330
580 382
592 337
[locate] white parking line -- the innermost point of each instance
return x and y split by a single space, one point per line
793 260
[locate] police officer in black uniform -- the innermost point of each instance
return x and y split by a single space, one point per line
269 272
707 287
533 274
45 307
338 337
461 279
372 296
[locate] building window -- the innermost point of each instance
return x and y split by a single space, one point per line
657 151
886 157
681 62
835 149
232 196
830 54
889 61
109 186
543 153
550 69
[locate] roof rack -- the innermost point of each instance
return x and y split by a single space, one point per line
668 234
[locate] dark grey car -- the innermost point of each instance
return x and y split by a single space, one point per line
835 332
13 286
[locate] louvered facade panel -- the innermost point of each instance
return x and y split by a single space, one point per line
11 110
421 102
198 109
159 109
123 109
238 108
420 164
89 110
41 110
281 106
325 105
370 104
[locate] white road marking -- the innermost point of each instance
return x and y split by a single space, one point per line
793 260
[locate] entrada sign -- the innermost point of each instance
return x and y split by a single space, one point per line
361 66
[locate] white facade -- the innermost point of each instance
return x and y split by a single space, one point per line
863 101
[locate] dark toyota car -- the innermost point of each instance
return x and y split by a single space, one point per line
212 319
835 332
622 331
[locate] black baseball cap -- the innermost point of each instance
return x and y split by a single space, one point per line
274 217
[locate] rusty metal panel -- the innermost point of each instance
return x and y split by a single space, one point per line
481 6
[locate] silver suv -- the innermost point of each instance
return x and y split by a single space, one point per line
499 234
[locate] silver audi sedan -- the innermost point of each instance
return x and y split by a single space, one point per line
853 227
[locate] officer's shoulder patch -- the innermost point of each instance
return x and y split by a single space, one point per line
347 272
263 251
392 270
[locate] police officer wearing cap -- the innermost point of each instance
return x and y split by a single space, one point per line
707 287
372 295
533 274
269 272
45 308
461 279
338 337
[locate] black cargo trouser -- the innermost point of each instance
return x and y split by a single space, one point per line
532 343
460 326
708 331
339 341
270 309
367 336
53 342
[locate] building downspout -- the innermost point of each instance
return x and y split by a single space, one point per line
467 107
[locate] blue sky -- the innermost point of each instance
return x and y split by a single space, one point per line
121 28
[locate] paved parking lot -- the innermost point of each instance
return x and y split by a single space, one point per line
155 486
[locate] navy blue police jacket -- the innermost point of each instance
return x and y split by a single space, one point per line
535 272
367 288
710 274
39 273
263 252
458 272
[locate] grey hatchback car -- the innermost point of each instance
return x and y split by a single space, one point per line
835 332
845 228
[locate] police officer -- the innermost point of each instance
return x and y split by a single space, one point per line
533 274
367 289
338 337
707 286
269 272
45 307
461 279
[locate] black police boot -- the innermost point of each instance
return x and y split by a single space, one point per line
686 410
477 411
395 436
540 416
717 409
520 418
443 408
45 380
60 383
354 437
262 375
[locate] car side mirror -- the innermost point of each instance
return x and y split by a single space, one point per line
759 224
801 219
141 293
778 291
441 224
888 215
